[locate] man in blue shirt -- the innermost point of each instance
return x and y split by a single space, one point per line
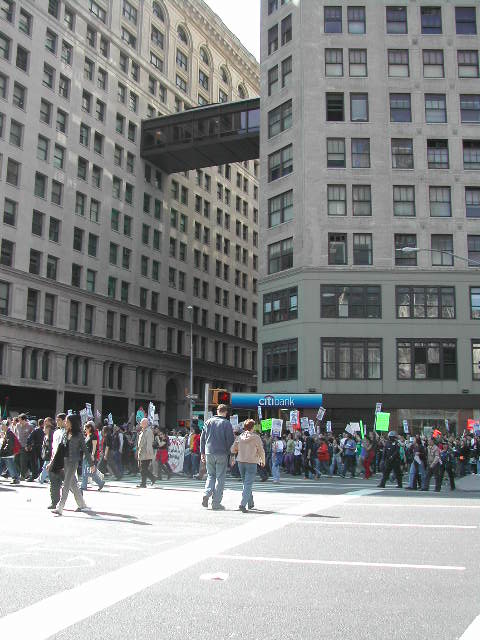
215 443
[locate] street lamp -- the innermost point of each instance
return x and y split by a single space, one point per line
448 253
190 397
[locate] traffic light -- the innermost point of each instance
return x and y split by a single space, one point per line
183 424
220 396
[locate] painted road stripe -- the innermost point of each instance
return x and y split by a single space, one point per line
473 631
56 613
413 506
343 563
389 524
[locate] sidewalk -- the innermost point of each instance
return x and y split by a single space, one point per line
468 483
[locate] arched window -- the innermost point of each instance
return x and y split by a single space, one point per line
150 381
182 35
224 75
33 364
85 372
158 11
110 376
205 58
142 380
23 373
75 370
242 94
45 365
120 377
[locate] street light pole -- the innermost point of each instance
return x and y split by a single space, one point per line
190 311
448 253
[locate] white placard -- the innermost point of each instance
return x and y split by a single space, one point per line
234 421
294 416
405 426
88 409
329 426
355 426
176 453
321 413
350 429
378 407
259 411
151 413
110 419
277 425
304 423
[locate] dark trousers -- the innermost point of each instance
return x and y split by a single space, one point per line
262 472
145 472
435 471
349 465
21 460
451 475
109 464
35 461
389 467
55 486
297 465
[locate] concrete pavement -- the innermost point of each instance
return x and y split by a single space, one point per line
329 559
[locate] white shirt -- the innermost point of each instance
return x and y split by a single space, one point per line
57 438
298 448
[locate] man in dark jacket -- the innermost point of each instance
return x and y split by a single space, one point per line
215 443
391 455
34 448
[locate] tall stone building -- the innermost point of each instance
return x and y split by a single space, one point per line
101 253
371 149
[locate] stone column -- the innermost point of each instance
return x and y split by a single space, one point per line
59 381
97 386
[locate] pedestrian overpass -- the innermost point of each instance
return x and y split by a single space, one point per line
203 136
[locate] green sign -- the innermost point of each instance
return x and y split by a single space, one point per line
267 424
382 421
362 432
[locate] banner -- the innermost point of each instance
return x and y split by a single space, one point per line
267 424
234 421
277 425
88 409
176 453
382 421
321 413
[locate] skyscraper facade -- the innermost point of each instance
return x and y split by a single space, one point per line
370 207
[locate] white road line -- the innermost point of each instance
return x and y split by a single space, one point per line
344 563
56 613
473 631
413 506
388 524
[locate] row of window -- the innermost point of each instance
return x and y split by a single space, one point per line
362 359
365 301
280 254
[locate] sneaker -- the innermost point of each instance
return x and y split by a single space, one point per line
218 507
153 481
51 506
15 481
251 506
57 512
31 479
141 486
205 502
101 486
242 508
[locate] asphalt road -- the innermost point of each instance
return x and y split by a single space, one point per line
329 559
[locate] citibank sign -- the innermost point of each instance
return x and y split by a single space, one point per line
277 400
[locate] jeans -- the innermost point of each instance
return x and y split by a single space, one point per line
21 460
415 470
86 472
276 461
117 459
248 471
336 465
195 458
216 472
43 473
11 467
322 466
70 484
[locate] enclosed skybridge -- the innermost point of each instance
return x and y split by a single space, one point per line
203 136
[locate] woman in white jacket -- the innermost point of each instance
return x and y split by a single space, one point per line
249 450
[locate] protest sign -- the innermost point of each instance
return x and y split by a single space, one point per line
311 427
355 426
83 416
110 419
98 416
88 409
378 407
304 423
321 413
151 413
349 429
447 426
289 426
294 416
176 453
267 424
277 425
259 411
69 412
234 421
382 422
405 426
140 415
329 426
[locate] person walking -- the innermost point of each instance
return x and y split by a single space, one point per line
22 430
195 450
91 442
215 444
350 456
55 467
34 449
417 464
249 451
8 450
433 466
46 452
74 446
391 454
277 458
145 454
447 460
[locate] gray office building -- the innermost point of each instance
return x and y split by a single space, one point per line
370 201
103 253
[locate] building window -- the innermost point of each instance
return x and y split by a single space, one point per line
22 58
397 20
402 153
403 200
405 259
337 248
333 19
280 361
351 359
280 209
335 107
465 20
441 202
128 37
35 262
362 248
431 20
433 63
32 305
398 63
272 38
6 252
280 255
475 360
472 202
470 108
337 199
280 163
474 302
400 107
348 301
442 250
45 112
437 154
286 71
435 108
280 306
334 62
360 153
425 302
467 64
426 359
280 119
356 20
10 208
49 309
473 246
286 29
359 107
336 152
362 200
4 298
471 154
